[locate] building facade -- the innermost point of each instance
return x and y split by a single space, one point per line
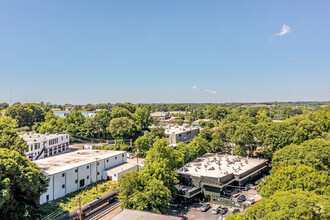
72 171
213 175
160 115
178 134
45 145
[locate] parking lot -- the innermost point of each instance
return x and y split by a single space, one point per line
193 212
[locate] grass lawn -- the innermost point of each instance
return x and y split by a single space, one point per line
69 202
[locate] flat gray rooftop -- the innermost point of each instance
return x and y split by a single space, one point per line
121 167
63 162
219 165
178 129
128 214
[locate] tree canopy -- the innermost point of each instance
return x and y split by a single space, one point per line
21 184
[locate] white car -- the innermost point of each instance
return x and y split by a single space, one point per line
250 201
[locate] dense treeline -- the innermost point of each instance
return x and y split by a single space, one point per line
298 147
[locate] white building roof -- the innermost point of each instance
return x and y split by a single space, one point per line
35 137
158 114
63 162
219 165
178 129
121 168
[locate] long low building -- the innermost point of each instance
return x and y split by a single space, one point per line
210 174
45 145
72 171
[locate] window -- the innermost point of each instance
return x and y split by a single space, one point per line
63 186
62 138
63 174
114 175
47 198
98 173
179 135
107 160
115 158
123 155
82 183
76 181
87 166
76 170
88 177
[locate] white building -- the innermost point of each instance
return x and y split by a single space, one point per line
160 115
72 171
117 172
44 145
178 134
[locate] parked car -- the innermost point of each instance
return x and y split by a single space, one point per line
205 207
235 211
215 210
250 201
241 198
250 186
223 210
257 182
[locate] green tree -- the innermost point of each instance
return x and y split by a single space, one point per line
74 121
142 145
293 204
161 163
123 128
8 136
295 177
243 138
21 185
314 153
306 130
100 122
142 117
119 112
90 107
26 114
3 105
140 191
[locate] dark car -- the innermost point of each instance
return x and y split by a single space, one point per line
223 210
241 198
235 211
205 207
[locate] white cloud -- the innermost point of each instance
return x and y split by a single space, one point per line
285 30
209 91
195 88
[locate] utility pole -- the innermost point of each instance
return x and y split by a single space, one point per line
96 176
80 198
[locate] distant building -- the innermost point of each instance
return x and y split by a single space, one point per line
178 112
45 145
160 115
178 134
256 105
69 107
129 214
212 174
72 171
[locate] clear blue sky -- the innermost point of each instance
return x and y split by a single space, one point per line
79 52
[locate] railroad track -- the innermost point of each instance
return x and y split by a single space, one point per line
99 216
